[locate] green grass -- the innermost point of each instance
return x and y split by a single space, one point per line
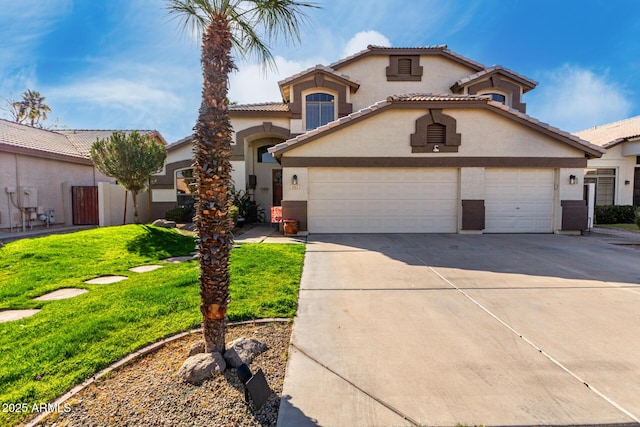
633 227
70 340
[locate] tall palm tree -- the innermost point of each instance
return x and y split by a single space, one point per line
31 108
246 25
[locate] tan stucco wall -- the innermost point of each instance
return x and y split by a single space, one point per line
48 177
438 75
625 169
111 198
387 134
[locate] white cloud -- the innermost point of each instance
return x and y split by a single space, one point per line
252 85
363 39
574 98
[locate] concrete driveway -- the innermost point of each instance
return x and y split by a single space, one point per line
396 330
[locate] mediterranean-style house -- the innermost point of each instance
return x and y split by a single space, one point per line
415 140
47 177
616 174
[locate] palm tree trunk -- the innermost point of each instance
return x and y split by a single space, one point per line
213 175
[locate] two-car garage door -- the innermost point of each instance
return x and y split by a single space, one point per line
425 200
381 200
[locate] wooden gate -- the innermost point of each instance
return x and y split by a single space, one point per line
84 201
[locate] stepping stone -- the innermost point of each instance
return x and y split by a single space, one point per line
145 268
61 294
105 280
10 315
178 259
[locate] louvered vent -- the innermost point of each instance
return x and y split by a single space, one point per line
404 66
436 133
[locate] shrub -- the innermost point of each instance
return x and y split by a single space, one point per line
234 214
615 214
180 215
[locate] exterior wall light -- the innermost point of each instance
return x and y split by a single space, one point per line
436 148
294 180
572 179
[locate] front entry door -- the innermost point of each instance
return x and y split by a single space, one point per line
636 188
276 184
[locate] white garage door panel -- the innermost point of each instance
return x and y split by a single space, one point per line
376 200
519 200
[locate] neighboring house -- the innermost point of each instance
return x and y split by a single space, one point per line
616 174
47 176
402 140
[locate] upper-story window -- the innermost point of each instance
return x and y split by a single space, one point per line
319 110
498 97
264 156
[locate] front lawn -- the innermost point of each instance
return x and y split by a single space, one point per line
632 227
69 340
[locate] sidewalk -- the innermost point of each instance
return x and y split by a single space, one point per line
6 237
268 233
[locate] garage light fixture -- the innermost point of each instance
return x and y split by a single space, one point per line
294 180
572 179
436 148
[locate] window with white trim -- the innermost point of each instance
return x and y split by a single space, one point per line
185 187
605 181
319 110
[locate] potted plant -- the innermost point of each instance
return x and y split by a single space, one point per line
290 226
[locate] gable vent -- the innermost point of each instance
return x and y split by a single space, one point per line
436 133
404 66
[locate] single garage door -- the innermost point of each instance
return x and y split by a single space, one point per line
519 200
381 200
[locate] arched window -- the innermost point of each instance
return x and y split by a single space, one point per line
264 156
319 110
498 97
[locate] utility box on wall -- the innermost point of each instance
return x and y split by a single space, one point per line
28 197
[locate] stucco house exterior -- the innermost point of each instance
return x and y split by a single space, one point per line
416 140
616 174
46 176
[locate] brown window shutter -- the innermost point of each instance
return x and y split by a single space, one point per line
404 66
436 133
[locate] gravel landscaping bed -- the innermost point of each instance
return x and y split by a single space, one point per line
147 392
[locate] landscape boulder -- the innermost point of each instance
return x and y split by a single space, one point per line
196 348
243 350
164 223
197 368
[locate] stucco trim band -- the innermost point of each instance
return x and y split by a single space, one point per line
436 161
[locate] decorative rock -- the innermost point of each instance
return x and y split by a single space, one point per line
164 223
197 368
196 348
243 350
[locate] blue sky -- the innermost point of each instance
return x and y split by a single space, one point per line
124 64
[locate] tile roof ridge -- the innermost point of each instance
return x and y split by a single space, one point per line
11 122
605 125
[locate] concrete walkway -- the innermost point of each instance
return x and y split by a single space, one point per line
401 330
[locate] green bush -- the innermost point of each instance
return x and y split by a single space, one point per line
615 214
179 215
234 213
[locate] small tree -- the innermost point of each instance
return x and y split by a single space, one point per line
131 159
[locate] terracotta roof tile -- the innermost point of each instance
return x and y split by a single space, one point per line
72 143
265 107
323 68
611 134
82 140
371 49
530 84
47 141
